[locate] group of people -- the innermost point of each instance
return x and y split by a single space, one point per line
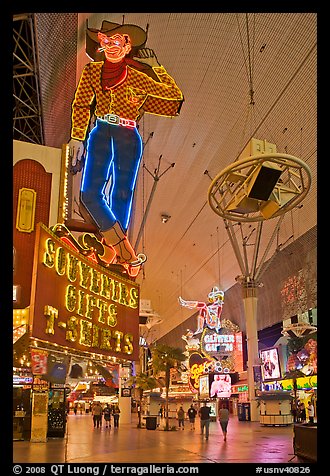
299 412
98 411
76 408
205 418
191 413
223 417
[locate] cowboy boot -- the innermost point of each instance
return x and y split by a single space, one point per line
116 238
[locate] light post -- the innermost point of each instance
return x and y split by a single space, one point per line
261 185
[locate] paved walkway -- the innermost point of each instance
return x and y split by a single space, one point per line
247 442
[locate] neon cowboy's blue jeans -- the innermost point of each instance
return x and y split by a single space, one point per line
110 172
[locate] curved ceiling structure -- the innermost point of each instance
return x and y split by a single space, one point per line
243 76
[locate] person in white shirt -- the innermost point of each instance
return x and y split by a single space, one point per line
311 412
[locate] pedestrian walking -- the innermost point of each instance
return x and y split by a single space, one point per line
116 414
223 420
204 413
302 412
294 411
97 415
107 415
139 414
298 412
192 412
180 414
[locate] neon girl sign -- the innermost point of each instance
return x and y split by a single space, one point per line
209 313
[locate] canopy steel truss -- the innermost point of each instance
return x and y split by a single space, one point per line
27 115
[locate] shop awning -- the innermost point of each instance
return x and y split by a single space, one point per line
19 332
21 350
276 395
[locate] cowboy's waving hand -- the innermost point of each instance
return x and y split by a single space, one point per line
76 155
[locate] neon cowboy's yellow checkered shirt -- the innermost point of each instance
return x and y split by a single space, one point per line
139 93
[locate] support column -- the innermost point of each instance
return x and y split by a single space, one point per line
39 417
124 401
250 307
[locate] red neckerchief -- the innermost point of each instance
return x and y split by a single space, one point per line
114 74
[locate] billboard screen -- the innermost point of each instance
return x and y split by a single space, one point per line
270 364
204 387
220 385
215 385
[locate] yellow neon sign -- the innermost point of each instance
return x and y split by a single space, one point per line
26 210
79 305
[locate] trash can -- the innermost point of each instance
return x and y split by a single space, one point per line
243 410
247 412
151 422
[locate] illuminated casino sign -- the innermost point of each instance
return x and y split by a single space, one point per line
201 367
219 352
215 343
198 365
80 305
225 346
216 347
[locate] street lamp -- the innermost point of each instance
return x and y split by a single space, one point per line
262 184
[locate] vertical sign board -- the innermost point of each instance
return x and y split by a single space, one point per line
39 410
80 305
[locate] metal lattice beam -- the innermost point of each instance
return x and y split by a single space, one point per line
27 117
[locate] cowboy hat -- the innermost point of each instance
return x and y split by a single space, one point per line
216 293
137 35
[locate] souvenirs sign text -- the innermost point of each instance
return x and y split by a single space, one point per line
78 304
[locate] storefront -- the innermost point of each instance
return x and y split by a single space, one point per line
306 389
239 401
57 410
22 385
275 408
80 315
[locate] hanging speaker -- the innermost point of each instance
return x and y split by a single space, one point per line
263 183
143 320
